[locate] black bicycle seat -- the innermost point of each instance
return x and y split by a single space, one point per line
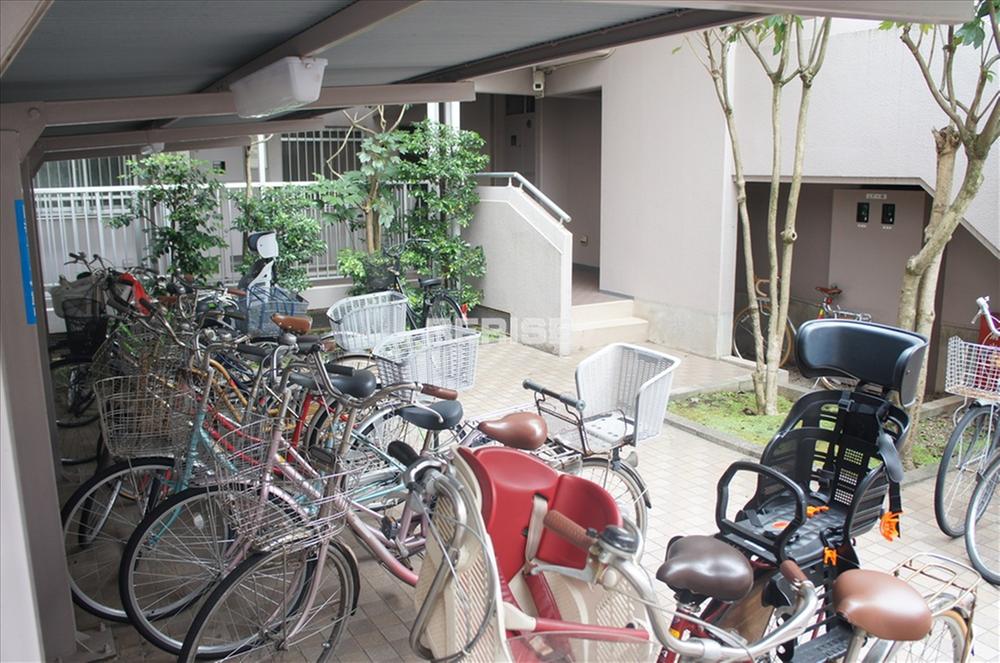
432 282
427 416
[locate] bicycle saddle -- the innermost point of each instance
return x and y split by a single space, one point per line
881 605
292 323
431 282
450 415
520 430
705 566
360 385
829 291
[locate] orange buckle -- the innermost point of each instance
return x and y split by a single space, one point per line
830 556
889 525
813 510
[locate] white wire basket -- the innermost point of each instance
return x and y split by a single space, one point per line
973 370
145 415
445 356
360 323
626 389
276 497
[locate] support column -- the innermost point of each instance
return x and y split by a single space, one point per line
24 374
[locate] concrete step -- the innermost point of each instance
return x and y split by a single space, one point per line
620 308
596 333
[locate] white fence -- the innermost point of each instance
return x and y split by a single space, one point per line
76 219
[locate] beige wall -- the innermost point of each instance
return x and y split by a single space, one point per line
667 226
570 172
478 116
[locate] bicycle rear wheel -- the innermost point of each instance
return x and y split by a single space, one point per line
743 338
251 614
622 486
965 456
444 310
945 642
982 524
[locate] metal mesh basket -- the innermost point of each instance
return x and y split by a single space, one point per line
445 356
145 415
626 389
86 325
973 370
276 497
360 323
261 303
139 347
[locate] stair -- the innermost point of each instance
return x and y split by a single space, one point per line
595 325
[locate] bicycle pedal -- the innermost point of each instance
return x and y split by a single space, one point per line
389 527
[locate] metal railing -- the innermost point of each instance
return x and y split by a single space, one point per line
535 192
72 219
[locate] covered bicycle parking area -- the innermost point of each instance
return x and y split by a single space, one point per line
86 78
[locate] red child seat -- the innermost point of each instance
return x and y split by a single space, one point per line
509 480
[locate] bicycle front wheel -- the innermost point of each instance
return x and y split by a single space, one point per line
743 338
97 521
73 397
964 457
982 525
277 606
173 561
444 310
945 642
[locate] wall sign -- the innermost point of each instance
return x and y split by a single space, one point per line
26 281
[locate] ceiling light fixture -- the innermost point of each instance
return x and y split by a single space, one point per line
279 87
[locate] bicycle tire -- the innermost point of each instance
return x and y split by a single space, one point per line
444 310
965 454
743 339
74 401
255 582
623 487
98 518
178 554
982 525
946 641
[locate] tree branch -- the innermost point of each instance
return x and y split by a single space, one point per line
928 78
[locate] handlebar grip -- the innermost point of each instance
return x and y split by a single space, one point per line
236 292
234 315
568 530
145 303
792 572
565 399
339 369
247 349
443 393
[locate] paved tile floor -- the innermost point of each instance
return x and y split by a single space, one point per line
682 471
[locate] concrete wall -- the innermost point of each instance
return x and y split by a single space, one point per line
871 116
525 247
668 220
570 171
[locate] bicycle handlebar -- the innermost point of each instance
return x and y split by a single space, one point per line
565 399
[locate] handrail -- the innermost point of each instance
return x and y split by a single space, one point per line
533 190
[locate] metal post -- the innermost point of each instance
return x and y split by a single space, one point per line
25 372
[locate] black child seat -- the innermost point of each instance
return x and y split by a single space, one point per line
823 477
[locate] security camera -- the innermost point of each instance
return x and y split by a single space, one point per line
538 82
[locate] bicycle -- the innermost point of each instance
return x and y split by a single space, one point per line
982 523
743 336
436 305
973 372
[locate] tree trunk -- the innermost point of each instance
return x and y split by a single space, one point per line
773 357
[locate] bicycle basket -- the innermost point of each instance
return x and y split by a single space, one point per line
445 356
277 496
86 325
139 347
261 303
145 415
360 323
973 370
